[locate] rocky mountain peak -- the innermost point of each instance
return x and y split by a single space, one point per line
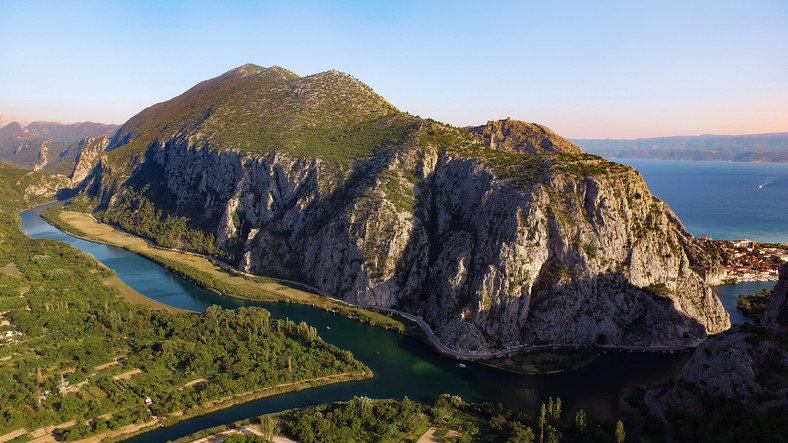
249 69
11 130
522 137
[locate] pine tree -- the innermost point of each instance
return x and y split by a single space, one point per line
620 434
580 422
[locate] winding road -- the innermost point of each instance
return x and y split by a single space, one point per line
670 437
433 339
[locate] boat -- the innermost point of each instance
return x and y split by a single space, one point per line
462 365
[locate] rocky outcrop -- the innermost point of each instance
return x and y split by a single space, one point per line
491 247
42 156
42 184
746 364
89 150
521 137
776 313
571 259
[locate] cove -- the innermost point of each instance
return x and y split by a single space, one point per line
403 366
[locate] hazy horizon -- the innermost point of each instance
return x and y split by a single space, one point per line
617 70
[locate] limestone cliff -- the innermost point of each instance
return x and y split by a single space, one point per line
776 313
88 150
746 364
521 137
41 184
491 246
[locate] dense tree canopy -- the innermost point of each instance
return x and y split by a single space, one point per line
72 349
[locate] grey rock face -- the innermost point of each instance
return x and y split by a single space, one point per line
776 312
521 137
563 259
744 364
89 150
723 366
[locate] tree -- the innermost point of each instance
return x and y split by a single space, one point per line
268 426
542 423
580 422
620 434
520 434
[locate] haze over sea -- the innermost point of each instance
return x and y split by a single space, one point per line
724 200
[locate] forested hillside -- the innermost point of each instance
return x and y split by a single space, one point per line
72 350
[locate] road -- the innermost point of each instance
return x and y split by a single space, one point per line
670 437
442 348
433 339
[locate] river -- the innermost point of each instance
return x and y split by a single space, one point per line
403 366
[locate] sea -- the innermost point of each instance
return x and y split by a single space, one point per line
724 200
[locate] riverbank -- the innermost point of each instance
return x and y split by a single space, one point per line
218 277
203 271
50 433
135 297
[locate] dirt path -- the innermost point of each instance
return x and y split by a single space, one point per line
128 374
194 382
110 364
12 435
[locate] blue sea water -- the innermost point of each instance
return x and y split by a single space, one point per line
724 200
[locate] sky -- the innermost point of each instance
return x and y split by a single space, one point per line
586 69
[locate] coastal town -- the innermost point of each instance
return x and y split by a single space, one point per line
746 260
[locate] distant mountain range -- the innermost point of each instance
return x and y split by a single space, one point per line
741 148
6 119
45 144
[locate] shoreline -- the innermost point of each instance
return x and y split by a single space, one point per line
239 285
314 298
209 407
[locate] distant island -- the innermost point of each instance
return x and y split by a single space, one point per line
739 148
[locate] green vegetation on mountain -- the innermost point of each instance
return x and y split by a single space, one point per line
319 180
71 350
136 214
258 110
726 420
213 276
753 305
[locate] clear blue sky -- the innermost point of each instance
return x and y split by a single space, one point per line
587 69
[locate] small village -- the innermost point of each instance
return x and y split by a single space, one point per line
746 260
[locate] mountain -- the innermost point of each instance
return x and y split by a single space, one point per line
41 145
522 138
318 179
12 129
7 119
69 133
736 380
756 147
